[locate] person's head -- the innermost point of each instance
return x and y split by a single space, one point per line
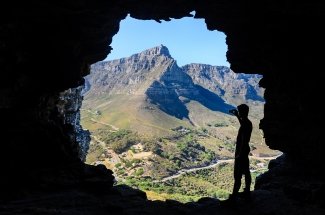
243 110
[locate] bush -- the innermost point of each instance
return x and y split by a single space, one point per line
120 171
204 130
133 149
139 172
169 190
120 141
128 163
125 143
181 145
151 145
221 194
220 124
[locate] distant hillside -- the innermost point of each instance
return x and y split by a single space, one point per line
152 80
232 87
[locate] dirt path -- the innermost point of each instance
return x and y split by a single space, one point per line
114 158
184 171
98 140
104 123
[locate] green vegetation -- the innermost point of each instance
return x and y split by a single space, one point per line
142 148
215 182
139 172
119 141
220 124
181 149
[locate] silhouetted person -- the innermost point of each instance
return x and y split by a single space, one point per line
241 166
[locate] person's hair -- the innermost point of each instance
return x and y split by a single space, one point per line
243 110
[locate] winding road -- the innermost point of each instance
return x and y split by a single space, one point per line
184 171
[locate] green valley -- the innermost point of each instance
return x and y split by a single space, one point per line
165 129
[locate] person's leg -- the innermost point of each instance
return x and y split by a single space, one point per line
248 181
248 178
237 185
237 177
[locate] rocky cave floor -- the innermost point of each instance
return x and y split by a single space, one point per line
95 198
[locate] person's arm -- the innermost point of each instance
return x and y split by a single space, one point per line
235 112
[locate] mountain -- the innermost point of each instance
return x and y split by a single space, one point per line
234 88
150 120
132 75
154 77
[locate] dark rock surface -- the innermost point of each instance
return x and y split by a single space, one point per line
69 108
89 199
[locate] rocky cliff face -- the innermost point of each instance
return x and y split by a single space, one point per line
68 107
235 88
132 75
155 73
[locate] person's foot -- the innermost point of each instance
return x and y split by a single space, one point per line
246 194
230 201
232 197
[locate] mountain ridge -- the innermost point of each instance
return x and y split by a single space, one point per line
154 74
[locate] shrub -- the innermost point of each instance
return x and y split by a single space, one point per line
221 194
220 124
139 172
169 190
120 171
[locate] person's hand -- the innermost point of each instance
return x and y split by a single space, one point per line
233 111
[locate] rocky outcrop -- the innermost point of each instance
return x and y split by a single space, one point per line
132 75
69 109
166 91
235 88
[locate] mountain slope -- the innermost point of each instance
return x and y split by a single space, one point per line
233 88
124 92
150 84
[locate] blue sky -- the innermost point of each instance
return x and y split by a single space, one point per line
187 39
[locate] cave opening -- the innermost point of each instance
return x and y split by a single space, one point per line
47 47
148 142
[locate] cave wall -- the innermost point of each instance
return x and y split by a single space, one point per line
46 47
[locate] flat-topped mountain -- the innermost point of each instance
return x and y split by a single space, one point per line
155 75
